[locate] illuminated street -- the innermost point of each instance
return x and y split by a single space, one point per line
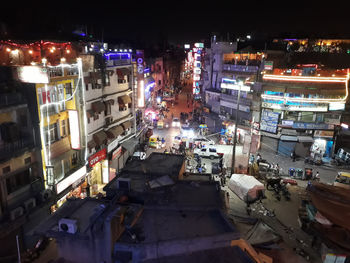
186 132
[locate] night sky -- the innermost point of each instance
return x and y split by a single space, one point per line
177 21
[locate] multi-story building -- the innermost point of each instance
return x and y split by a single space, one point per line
304 97
21 178
110 114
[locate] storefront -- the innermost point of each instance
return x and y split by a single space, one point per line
98 171
116 161
323 143
286 145
228 130
75 185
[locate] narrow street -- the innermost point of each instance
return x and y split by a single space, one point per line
280 215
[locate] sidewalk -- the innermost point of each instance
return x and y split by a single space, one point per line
327 172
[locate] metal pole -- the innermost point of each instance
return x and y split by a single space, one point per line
235 133
18 251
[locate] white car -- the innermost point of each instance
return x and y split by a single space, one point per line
203 141
176 123
207 152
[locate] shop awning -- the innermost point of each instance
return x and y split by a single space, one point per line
98 106
90 113
124 99
126 125
289 138
91 144
115 132
305 139
122 72
100 138
289 132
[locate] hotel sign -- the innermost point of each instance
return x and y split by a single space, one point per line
140 78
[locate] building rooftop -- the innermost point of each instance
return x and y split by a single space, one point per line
218 255
166 224
158 166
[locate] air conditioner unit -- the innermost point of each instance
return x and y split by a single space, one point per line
29 204
16 213
124 183
68 225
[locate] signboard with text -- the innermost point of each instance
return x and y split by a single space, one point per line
312 126
97 157
269 121
140 79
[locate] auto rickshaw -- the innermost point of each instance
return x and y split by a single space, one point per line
342 180
153 142
160 124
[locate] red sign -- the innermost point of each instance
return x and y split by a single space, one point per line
97 157
116 153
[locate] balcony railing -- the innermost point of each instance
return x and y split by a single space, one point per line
240 68
232 98
8 149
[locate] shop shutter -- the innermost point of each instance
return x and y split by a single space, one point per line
269 144
286 148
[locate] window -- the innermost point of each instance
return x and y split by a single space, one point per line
75 159
159 82
69 90
6 169
63 128
108 109
51 133
15 182
212 150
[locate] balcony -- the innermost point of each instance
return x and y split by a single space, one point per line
9 149
9 99
233 98
240 68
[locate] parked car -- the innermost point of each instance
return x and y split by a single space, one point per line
176 123
203 141
207 152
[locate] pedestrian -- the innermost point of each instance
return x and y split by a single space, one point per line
258 158
317 176
277 169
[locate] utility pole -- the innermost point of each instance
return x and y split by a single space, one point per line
235 133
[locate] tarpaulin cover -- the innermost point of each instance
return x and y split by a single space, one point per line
246 187
333 203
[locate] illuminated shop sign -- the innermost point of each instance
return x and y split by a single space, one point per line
199 45
140 79
97 157
66 182
33 74
74 129
336 106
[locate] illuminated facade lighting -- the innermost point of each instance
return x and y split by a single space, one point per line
344 80
304 78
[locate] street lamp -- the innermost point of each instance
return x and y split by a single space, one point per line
240 84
